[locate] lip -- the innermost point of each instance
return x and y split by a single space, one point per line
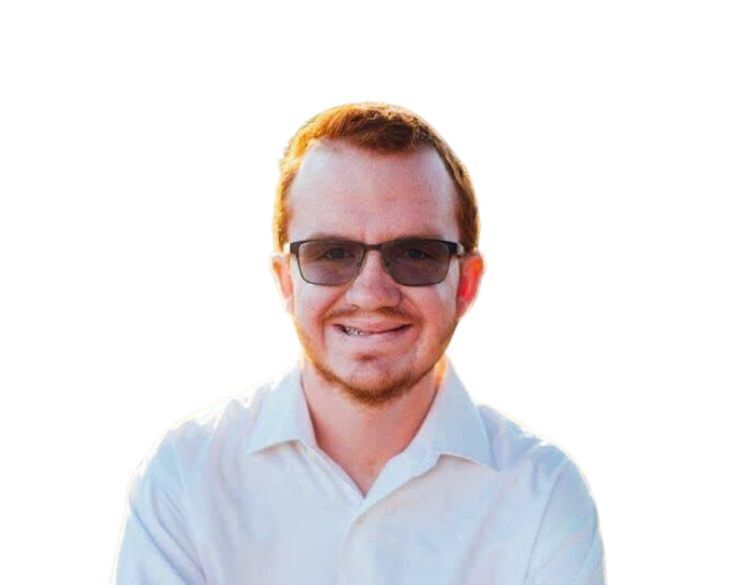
373 332
374 327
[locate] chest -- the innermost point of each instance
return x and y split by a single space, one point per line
456 523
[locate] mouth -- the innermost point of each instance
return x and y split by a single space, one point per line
377 334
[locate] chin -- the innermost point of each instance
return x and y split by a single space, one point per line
369 382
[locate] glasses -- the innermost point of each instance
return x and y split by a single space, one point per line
409 261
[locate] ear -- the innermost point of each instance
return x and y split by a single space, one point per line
281 266
471 269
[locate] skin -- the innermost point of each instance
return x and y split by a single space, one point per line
368 395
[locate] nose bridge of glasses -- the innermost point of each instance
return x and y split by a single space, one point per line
380 249
377 249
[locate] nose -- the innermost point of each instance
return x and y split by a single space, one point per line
373 288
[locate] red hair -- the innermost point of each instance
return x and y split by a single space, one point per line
379 128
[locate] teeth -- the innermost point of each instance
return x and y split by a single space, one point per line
359 332
353 331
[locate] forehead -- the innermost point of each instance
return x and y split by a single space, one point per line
343 190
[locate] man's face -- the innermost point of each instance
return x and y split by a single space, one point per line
344 192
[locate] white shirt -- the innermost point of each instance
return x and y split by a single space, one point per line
244 495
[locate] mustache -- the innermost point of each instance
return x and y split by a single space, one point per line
387 312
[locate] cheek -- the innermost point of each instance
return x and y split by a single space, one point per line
437 307
311 304
443 304
444 310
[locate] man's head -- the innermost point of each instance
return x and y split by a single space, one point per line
372 173
378 128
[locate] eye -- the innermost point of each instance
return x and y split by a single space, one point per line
418 252
415 254
335 253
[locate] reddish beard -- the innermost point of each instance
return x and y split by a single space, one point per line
390 386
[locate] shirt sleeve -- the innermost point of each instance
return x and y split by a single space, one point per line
156 547
568 549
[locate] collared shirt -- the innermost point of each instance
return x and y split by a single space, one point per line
244 495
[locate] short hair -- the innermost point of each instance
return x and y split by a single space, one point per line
379 128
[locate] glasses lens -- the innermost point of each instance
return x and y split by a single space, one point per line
329 262
417 262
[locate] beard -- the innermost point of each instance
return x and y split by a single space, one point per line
388 385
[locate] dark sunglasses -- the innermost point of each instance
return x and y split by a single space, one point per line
409 261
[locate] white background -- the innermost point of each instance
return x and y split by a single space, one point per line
138 157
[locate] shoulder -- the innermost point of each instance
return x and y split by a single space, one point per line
514 447
566 545
567 509
232 418
214 431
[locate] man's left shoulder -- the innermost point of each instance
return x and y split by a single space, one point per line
515 447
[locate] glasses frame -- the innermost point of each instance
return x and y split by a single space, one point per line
455 249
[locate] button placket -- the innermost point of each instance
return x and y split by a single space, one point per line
336 474
345 571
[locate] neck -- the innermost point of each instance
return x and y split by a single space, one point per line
362 438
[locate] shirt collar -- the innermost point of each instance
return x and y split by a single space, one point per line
453 425
283 417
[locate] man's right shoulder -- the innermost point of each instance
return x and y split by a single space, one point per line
217 430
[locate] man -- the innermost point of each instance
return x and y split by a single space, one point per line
368 463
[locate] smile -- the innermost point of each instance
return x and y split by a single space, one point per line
374 333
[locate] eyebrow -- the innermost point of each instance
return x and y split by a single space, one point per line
326 236
432 235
